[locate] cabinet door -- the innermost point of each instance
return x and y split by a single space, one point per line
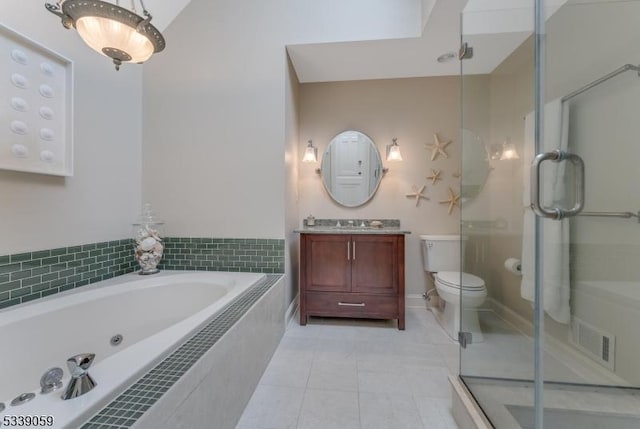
374 260
328 266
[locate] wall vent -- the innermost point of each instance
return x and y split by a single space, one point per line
596 343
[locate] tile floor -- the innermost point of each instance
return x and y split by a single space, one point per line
507 353
360 374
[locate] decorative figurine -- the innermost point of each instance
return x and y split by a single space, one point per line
417 194
437 148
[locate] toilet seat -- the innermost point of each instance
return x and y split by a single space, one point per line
452 294
452 280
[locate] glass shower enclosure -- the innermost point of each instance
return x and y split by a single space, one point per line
550 151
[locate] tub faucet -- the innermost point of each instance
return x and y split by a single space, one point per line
81 382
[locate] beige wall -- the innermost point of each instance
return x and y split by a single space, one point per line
214 107
312 21
291 155
214 116
103 197
411 110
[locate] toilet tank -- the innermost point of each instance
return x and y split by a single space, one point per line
441 252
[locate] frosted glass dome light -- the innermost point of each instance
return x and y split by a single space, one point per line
113 31
102 33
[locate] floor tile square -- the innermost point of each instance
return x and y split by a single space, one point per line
329 409
334 375
273 407
384 411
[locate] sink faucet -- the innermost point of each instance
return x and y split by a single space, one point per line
81 382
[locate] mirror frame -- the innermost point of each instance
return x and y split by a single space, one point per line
476 140
381 170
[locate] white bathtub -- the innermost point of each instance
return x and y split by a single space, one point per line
619 292
154 314
613 307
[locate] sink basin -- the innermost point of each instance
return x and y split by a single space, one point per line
353 228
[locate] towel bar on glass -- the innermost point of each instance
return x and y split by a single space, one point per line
604 78
625 215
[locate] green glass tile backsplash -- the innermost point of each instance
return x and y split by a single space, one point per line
224 254
32 275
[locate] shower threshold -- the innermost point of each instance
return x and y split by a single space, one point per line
508 403
560 418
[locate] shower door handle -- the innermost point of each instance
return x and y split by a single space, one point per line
557 213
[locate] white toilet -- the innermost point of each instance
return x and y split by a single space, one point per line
441 257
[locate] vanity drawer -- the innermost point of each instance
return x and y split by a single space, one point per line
351 305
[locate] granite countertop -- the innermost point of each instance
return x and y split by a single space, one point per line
349 230
352 226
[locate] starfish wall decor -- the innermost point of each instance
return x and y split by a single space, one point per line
417 194
435 176
438 148
453 200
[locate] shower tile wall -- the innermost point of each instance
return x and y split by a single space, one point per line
32 275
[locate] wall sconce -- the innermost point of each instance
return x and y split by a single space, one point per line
310 153
508 151
393 151
503 152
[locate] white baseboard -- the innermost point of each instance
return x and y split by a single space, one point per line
414 300
565 353
292 310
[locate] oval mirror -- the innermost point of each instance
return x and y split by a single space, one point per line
351 168
475 165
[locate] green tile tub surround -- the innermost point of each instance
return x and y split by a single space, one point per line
32 275
224 254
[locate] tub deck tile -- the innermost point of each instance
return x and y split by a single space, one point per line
139 397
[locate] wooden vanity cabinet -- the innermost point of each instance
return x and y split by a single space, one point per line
352 275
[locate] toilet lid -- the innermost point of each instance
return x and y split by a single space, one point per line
452 278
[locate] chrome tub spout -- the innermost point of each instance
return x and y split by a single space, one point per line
81 382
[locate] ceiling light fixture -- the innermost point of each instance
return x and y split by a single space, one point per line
111 30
